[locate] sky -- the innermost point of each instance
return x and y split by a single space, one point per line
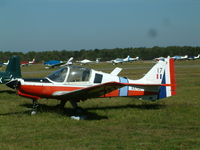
42 25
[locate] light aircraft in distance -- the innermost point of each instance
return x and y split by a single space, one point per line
159 58
77 83
6 63
127 59
32 61
57 63
87 61
134 59
12 70
26 63
194 57
180 57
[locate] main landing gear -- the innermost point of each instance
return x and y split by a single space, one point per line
78 111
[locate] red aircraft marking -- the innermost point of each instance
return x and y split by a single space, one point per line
44 91
172 77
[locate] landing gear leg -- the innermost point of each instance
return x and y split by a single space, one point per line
62 104
35 106
78 110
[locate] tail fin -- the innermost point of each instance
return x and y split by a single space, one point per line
13 67
155 74
162 73
69 62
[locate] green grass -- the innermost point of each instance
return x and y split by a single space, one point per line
116 123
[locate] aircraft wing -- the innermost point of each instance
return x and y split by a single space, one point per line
89 92
52 66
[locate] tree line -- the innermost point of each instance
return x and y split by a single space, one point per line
105 54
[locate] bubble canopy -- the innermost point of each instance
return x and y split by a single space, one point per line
70 74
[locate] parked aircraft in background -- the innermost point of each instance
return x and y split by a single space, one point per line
180 57
87 61
127 59
12 70
77 83
159 58
120 60
134 59
52 62
26 63
32 61
69 62
6 63
194 57
58 63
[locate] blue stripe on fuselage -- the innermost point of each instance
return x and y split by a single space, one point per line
124 90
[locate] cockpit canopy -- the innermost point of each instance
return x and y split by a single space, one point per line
70 74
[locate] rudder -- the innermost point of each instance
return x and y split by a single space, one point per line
169 80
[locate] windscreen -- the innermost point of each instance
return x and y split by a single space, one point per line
59 75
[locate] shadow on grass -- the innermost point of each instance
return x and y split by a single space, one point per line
141 106
89 115
15 113
8 91
62 111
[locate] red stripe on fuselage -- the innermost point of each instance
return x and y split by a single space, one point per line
28 95
172 77
130 93
141 93
44 91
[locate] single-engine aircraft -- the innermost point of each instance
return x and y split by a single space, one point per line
12 70
127 59
159 58
180 57
194 57
58 63
87 61
77 83
26 63
6 63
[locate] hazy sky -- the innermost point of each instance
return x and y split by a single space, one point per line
27 25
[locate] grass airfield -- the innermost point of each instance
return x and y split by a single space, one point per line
113 123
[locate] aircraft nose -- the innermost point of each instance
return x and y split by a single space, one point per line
14 84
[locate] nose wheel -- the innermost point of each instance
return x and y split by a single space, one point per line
35 106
